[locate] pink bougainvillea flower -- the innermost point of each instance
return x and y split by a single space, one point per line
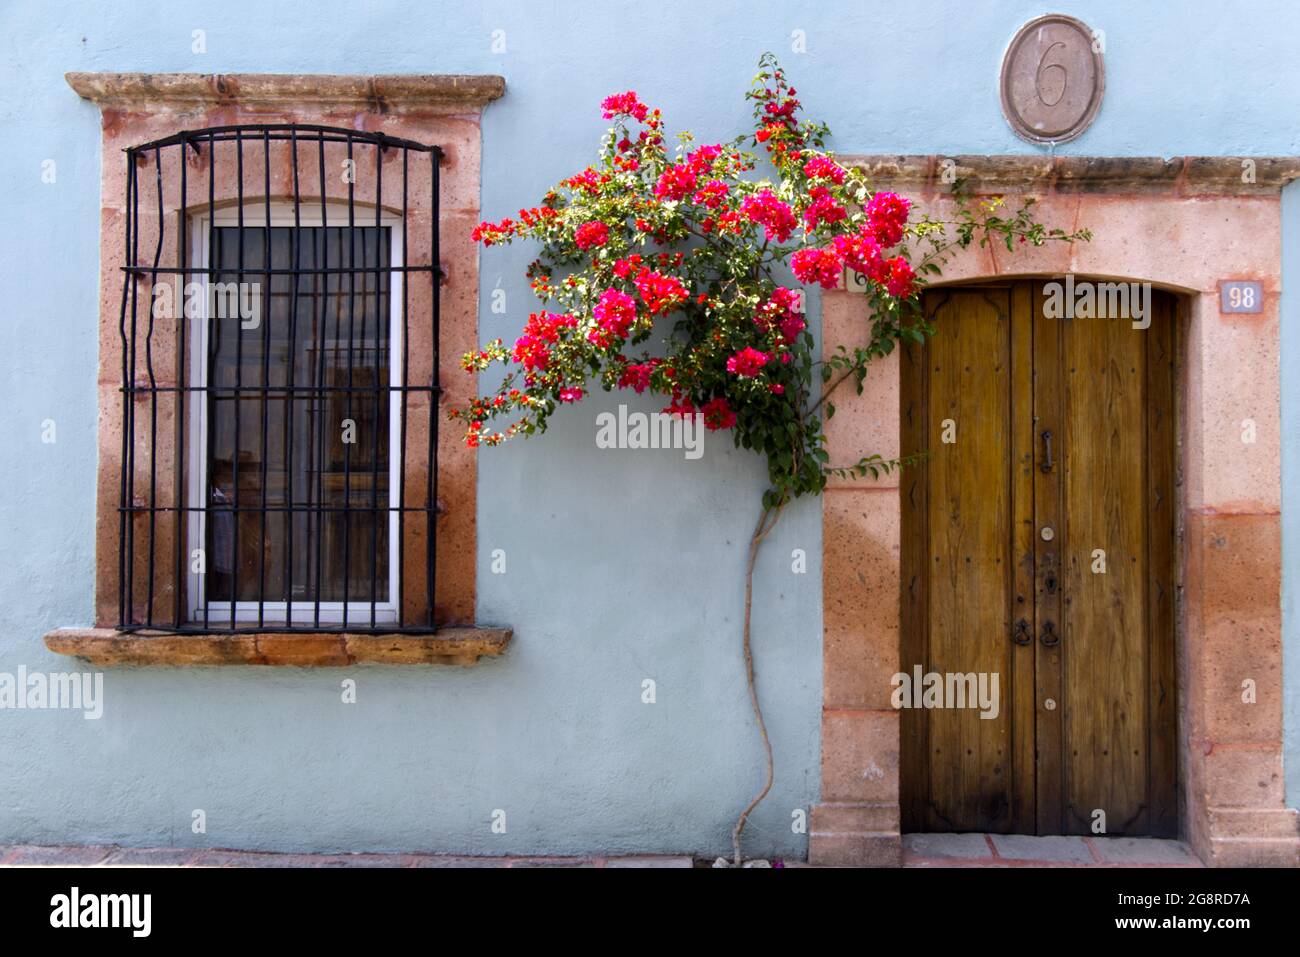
661 294
823 209
791 320
591 234
571 394
531 353
823 167
783 311
712 194
614 315
861 253
887 218
702 159
589 181
822 266
900 279
748 362
540 332
626 267
718 414
624 104
791 326
676 183
776 217
489 233
636 376
680 405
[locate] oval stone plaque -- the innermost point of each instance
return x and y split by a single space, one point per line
1052 79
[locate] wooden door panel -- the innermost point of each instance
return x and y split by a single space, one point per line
1103 645
1047 512
970 520
1018 691
1086 718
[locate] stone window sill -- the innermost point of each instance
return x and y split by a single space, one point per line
106 648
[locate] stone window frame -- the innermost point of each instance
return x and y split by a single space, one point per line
442 110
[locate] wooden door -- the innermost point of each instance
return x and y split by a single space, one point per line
1038 568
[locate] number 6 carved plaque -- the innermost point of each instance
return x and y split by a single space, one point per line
1053 79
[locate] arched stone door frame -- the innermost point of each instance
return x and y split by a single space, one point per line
1183 224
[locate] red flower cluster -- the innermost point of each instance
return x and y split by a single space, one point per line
784 312
661 294
776 217
614 314
624 104
589 181
532 349
618 208
676 182
900 279
636 375
748 362
823 167
887 217
718 414
681 404
591 234
712 194
627 267
860 252
701 160
488 233
822 209
822 266
780 128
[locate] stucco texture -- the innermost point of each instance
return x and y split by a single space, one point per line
621 566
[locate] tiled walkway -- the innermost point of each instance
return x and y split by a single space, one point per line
32 855
1020 850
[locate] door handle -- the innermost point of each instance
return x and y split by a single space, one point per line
1049 638
1021 635
1047 450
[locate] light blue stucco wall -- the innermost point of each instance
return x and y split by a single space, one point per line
620 566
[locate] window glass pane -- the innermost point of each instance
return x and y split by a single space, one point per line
307 432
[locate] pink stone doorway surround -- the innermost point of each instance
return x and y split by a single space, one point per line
1181 224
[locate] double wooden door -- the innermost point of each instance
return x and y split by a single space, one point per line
1039 546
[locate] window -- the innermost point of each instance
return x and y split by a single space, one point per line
294 490
279 434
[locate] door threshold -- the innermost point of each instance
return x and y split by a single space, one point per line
1027 850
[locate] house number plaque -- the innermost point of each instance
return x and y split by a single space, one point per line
1052 79
1241 295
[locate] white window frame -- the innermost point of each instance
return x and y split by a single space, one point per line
276 612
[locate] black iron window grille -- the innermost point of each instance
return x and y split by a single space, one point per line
279 334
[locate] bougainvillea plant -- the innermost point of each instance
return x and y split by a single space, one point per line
681 272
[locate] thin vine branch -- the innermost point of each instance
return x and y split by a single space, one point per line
766 522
